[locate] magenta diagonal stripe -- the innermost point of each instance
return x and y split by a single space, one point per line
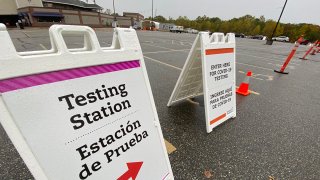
56 76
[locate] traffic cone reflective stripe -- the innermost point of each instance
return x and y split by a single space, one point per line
244 86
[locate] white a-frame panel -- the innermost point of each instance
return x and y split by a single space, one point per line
190 83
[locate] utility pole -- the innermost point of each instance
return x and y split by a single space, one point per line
114 24
270 41
152 11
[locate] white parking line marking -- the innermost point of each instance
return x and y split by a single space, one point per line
255 75
255 66
43 47
156 52
160 47
271 59
26 34
252 76
279 65
157 61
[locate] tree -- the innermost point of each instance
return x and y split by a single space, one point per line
262 19
246 24
269 27
256 30
160 18
225 27
183 21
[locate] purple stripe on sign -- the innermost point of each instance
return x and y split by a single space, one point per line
12 84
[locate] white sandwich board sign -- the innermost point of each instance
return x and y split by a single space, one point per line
210 70
85 113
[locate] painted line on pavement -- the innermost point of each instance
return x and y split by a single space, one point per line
255 66
279 65
157 61
267 59
156 52
26 34
43 47
160 47
255 76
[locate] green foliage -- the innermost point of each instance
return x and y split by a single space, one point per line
269 28
248 25
160 19
256 30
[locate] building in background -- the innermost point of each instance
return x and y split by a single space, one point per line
137 19
44 13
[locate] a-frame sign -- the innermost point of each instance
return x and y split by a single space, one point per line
210 70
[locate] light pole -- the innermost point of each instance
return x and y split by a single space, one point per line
114 24
152 11
270 41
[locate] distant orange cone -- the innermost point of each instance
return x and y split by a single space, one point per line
244 86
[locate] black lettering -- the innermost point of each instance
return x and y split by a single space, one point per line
80 122
116 134
110 109
122 88
85 172
105 91
138 137
111 93
87 116
132 142
104 111
125 147
66 97
144 134
136 124
83 153
96 166
122 129
109 154
126 104
129 127
96 116
94 147
110 139
117 107
91 97
98 94
80 100
102 143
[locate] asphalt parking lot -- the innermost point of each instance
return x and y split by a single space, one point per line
275 134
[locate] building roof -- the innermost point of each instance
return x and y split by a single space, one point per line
77 3
132 13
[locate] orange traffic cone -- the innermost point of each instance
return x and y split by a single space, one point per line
244 86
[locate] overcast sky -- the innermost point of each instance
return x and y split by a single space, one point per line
297 11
